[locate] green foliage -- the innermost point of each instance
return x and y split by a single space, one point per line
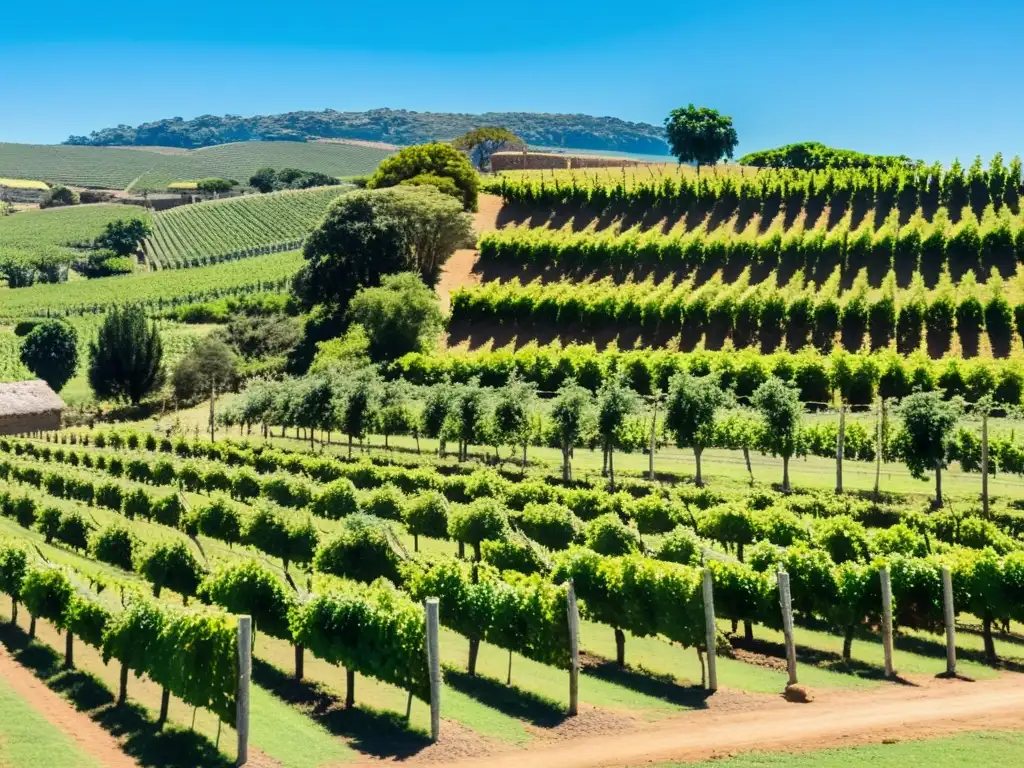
248 588
427 515
171 564
375 631
681 545
401 315
730 524
843 538
480 143
700 135
217 519
779 405
385 502
928 422
481 520
209 366
433 159
336 500
113 544
362 551
513 554
50 351
47 594
608 535
13 566
813 155
124 236
58 195
553 525
126 359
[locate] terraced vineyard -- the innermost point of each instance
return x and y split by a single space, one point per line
142 169
58 229
202 233
167 288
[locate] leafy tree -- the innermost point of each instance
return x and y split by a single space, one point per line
360 398
58 195
263 180
362 551
126 359
337 499
700 135
923 442
437 406
215 185
50 351
401 315
608 535
570 409
434 159
680 545
615 401
124 236
481 520
551 525
512 407
466 418
249 588
427 515
210 367
113 544
481 143
692 403
779 404
171 564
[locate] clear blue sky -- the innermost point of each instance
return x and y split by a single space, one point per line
931 80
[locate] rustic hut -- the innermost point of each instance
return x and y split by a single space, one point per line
29 406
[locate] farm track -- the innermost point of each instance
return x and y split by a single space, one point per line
925 708
460 270
88 735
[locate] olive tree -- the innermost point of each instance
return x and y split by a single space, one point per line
700 135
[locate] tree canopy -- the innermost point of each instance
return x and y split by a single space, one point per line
692 403
400 315
700 135
126 359
481 143
433 159
50 351
124 236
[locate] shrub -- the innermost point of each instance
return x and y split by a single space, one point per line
608 535
513 554
552 525
427 515
478 521
386 502
74 530
217 519
362 551
109 495
338 499
113 544
843 538
286 491
680 545
167 510
136 503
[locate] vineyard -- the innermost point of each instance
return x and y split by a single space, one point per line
142 170
197 234
286 536
157 289
58 230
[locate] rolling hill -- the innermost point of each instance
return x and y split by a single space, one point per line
389 125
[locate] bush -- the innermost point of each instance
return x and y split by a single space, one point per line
171 565
109 495
427 515
514 554
163 473
338 499
167 510
218 520
843 538
480 520
50 351
286 491
362 552
430 160
114 545
552 525
400 316
245 485
680 545
386 502
59 195
48 523
608 535
74 530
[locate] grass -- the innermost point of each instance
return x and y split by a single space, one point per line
125 168
218 227
23 184
27 740
991 749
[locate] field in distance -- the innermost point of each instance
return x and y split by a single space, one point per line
144 170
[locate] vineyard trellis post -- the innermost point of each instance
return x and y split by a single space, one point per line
434 666
840 439
949 617
242 697
574 649
786 602
886 583
711 630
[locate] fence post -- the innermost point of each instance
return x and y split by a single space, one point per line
950 618
887 619
984 461
574 650
242 698
786 601
711 630
841 439
434 667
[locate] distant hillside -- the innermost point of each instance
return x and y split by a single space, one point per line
387 125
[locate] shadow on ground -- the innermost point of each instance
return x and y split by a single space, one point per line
129 724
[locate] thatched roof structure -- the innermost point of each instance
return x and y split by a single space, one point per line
29 406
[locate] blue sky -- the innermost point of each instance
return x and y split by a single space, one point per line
931 80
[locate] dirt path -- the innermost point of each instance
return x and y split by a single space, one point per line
903 713
89 736
458 270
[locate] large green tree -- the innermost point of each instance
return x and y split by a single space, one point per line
126 359
572 406
692 403
124 236
700 135
401 315
481 143
779 405
50 351
437 159
923 442
615 402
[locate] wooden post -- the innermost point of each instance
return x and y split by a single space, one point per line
654 429
786 602
574 650
242 697
711 630
434 666
950 618
878 445
839 447
887 619
984 461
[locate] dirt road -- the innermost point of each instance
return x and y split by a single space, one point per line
902 713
